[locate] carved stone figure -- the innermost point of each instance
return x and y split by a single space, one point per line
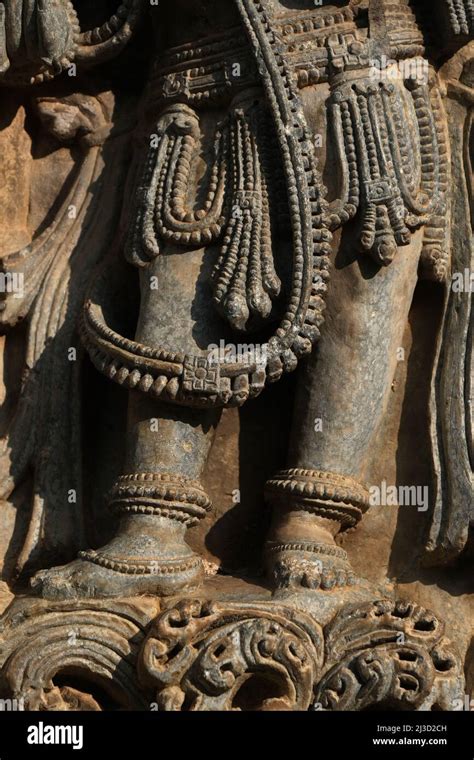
252 205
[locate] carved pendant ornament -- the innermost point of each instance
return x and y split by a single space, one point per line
255 218
236 209
392 152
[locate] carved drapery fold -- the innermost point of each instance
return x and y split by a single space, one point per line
55 268
50 32
452 388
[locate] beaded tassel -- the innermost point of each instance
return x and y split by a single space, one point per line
245 281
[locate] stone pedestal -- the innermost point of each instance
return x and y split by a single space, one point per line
217 652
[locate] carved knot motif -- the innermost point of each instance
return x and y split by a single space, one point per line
389 654
208 656
205 655
213 656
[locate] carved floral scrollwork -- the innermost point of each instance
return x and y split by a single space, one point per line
207 656
389 655
204 656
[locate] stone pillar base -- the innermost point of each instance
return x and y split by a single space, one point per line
216 653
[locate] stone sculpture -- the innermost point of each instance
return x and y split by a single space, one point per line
202 199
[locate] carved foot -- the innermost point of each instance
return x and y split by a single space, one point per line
304 564
84 579
310 508
129 565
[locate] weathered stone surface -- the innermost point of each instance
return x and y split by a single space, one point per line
236 460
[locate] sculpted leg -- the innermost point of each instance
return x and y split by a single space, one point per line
342 395
159 495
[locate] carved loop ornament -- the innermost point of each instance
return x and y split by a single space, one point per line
202 655
244 277
392 152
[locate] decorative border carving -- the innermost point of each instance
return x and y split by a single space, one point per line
97 641
203 655
390 655
200 655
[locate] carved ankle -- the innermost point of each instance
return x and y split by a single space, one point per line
155 510
310 509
